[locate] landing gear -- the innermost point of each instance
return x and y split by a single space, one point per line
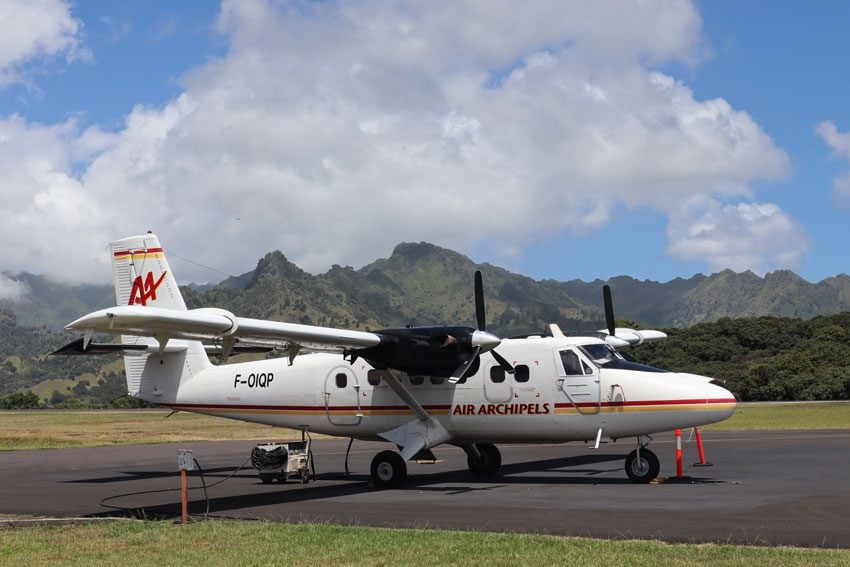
642 465
487 462
388 470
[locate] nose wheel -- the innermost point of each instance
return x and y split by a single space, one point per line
642 465
388 470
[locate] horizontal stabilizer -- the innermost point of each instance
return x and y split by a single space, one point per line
75 348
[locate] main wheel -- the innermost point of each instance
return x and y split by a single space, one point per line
489 461
644 469
388 470
267 478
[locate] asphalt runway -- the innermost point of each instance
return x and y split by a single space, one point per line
765 488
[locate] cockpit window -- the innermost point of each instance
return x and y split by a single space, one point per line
601 353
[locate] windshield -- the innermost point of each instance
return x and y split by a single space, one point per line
600 353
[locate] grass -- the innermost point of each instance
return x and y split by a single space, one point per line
45 429
265 543
785 416
49 429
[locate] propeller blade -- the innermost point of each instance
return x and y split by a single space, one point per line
461 370
502 362
479 301
609 309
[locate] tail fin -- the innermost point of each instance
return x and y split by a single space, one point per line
143 277
142 274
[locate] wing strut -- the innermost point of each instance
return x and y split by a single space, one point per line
405 395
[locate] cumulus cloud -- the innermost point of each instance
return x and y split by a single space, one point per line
335 130
11 290
31 29
839 143
747 236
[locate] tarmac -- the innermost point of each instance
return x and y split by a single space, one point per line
764 488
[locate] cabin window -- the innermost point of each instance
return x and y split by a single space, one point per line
586 366
374 377
571 363
341 380
417 380
437 380
522 373
497 374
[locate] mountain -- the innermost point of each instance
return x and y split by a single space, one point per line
418 284
423 284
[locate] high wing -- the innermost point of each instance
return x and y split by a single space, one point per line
218 325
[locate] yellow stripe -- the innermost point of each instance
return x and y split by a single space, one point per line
139 256
620 409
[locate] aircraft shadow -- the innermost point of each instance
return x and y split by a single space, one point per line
577 470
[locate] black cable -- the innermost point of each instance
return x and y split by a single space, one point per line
104 501
204 484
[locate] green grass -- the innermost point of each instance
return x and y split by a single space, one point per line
264 543
53 429
749 417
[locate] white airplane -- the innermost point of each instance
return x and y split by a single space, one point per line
416 387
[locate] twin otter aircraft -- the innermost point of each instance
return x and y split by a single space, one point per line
416 387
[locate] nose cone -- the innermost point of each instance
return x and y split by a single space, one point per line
719 402
487 341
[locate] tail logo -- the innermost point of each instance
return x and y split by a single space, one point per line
143 290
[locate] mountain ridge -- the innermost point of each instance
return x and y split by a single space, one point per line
421 283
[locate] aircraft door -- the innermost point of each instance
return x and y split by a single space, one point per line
342 397
497 384
578 380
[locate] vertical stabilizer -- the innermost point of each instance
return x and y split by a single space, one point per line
144 278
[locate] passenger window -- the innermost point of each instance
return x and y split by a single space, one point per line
571 363
587 369
417 380
437 380
341 380
522 373
374 377
497 374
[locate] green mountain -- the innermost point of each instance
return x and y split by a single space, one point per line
423 284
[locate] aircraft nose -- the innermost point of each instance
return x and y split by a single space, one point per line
719 401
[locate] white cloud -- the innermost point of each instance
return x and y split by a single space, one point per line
747 236
839 143
334 131
11 290
31 29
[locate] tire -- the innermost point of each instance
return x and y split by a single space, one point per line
388 470
644 470
266 478
488 463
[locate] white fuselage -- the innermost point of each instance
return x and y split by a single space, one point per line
541 402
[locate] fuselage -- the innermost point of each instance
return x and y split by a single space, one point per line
564 389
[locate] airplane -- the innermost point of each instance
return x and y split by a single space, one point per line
416 387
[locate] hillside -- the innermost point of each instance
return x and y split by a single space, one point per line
423 284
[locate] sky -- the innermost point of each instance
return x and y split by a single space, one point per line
563 140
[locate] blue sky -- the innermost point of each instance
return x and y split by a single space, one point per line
677 139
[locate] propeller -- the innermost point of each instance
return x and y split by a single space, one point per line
609 309
480 338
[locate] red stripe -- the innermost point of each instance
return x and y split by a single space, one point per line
298 408
130 252
649 403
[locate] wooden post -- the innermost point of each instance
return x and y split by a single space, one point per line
184 491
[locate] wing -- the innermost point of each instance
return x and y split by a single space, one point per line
218 325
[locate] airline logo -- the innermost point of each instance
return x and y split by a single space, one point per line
144 290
